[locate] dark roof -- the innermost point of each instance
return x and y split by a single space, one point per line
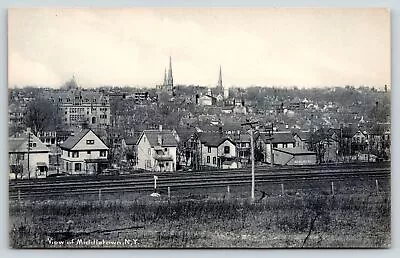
168 138
277 137
73 140
132 140
185 134
18 143
212 139
303 135
243 137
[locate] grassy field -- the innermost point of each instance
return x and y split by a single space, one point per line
207 219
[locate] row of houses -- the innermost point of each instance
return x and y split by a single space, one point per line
164 150
81 153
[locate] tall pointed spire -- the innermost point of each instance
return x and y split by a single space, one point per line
170 78
220 78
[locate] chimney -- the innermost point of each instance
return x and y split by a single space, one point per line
159 139
160 128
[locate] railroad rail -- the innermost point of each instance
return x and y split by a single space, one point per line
144 182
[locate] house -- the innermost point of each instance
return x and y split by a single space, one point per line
84 153
18 155
207 100
302 139
242 141
264 140
326 143
219 97
379 139
239 110
48 137
185 146
215 148
157 150
129 148
294 156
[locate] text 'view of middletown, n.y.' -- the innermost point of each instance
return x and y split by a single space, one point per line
199 128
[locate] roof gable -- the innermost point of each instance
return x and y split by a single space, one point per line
19 143
167 137
78 141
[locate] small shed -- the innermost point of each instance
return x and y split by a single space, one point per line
294 156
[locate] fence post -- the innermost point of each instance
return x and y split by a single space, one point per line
283 189
19 195
377 186
169 192
228 189
100 194
332 188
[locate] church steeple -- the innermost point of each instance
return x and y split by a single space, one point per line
165 78
170 78
220 78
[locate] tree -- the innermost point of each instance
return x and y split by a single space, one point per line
42 115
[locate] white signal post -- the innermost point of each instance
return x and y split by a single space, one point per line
155 183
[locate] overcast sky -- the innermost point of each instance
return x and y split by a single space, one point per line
282 47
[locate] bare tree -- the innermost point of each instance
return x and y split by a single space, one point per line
42 115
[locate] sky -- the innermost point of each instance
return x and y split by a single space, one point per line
265 47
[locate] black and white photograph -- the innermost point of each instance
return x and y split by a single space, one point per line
166 128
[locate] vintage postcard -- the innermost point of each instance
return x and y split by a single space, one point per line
199 128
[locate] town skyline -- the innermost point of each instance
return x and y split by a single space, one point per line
122 50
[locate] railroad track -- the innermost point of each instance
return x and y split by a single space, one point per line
283 170
145 182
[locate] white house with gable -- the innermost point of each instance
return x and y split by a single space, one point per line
18 155
84 153
156 150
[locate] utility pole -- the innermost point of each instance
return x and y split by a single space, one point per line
271 132
58 164
29 148
253 181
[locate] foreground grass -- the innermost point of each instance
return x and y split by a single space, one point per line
309 220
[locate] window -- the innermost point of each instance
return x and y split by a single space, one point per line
149 151
275 145
78 166
75 154
89 152
214 160
69 155
227 149
209 149
285 145
89 141
103 153
148 163
208 159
